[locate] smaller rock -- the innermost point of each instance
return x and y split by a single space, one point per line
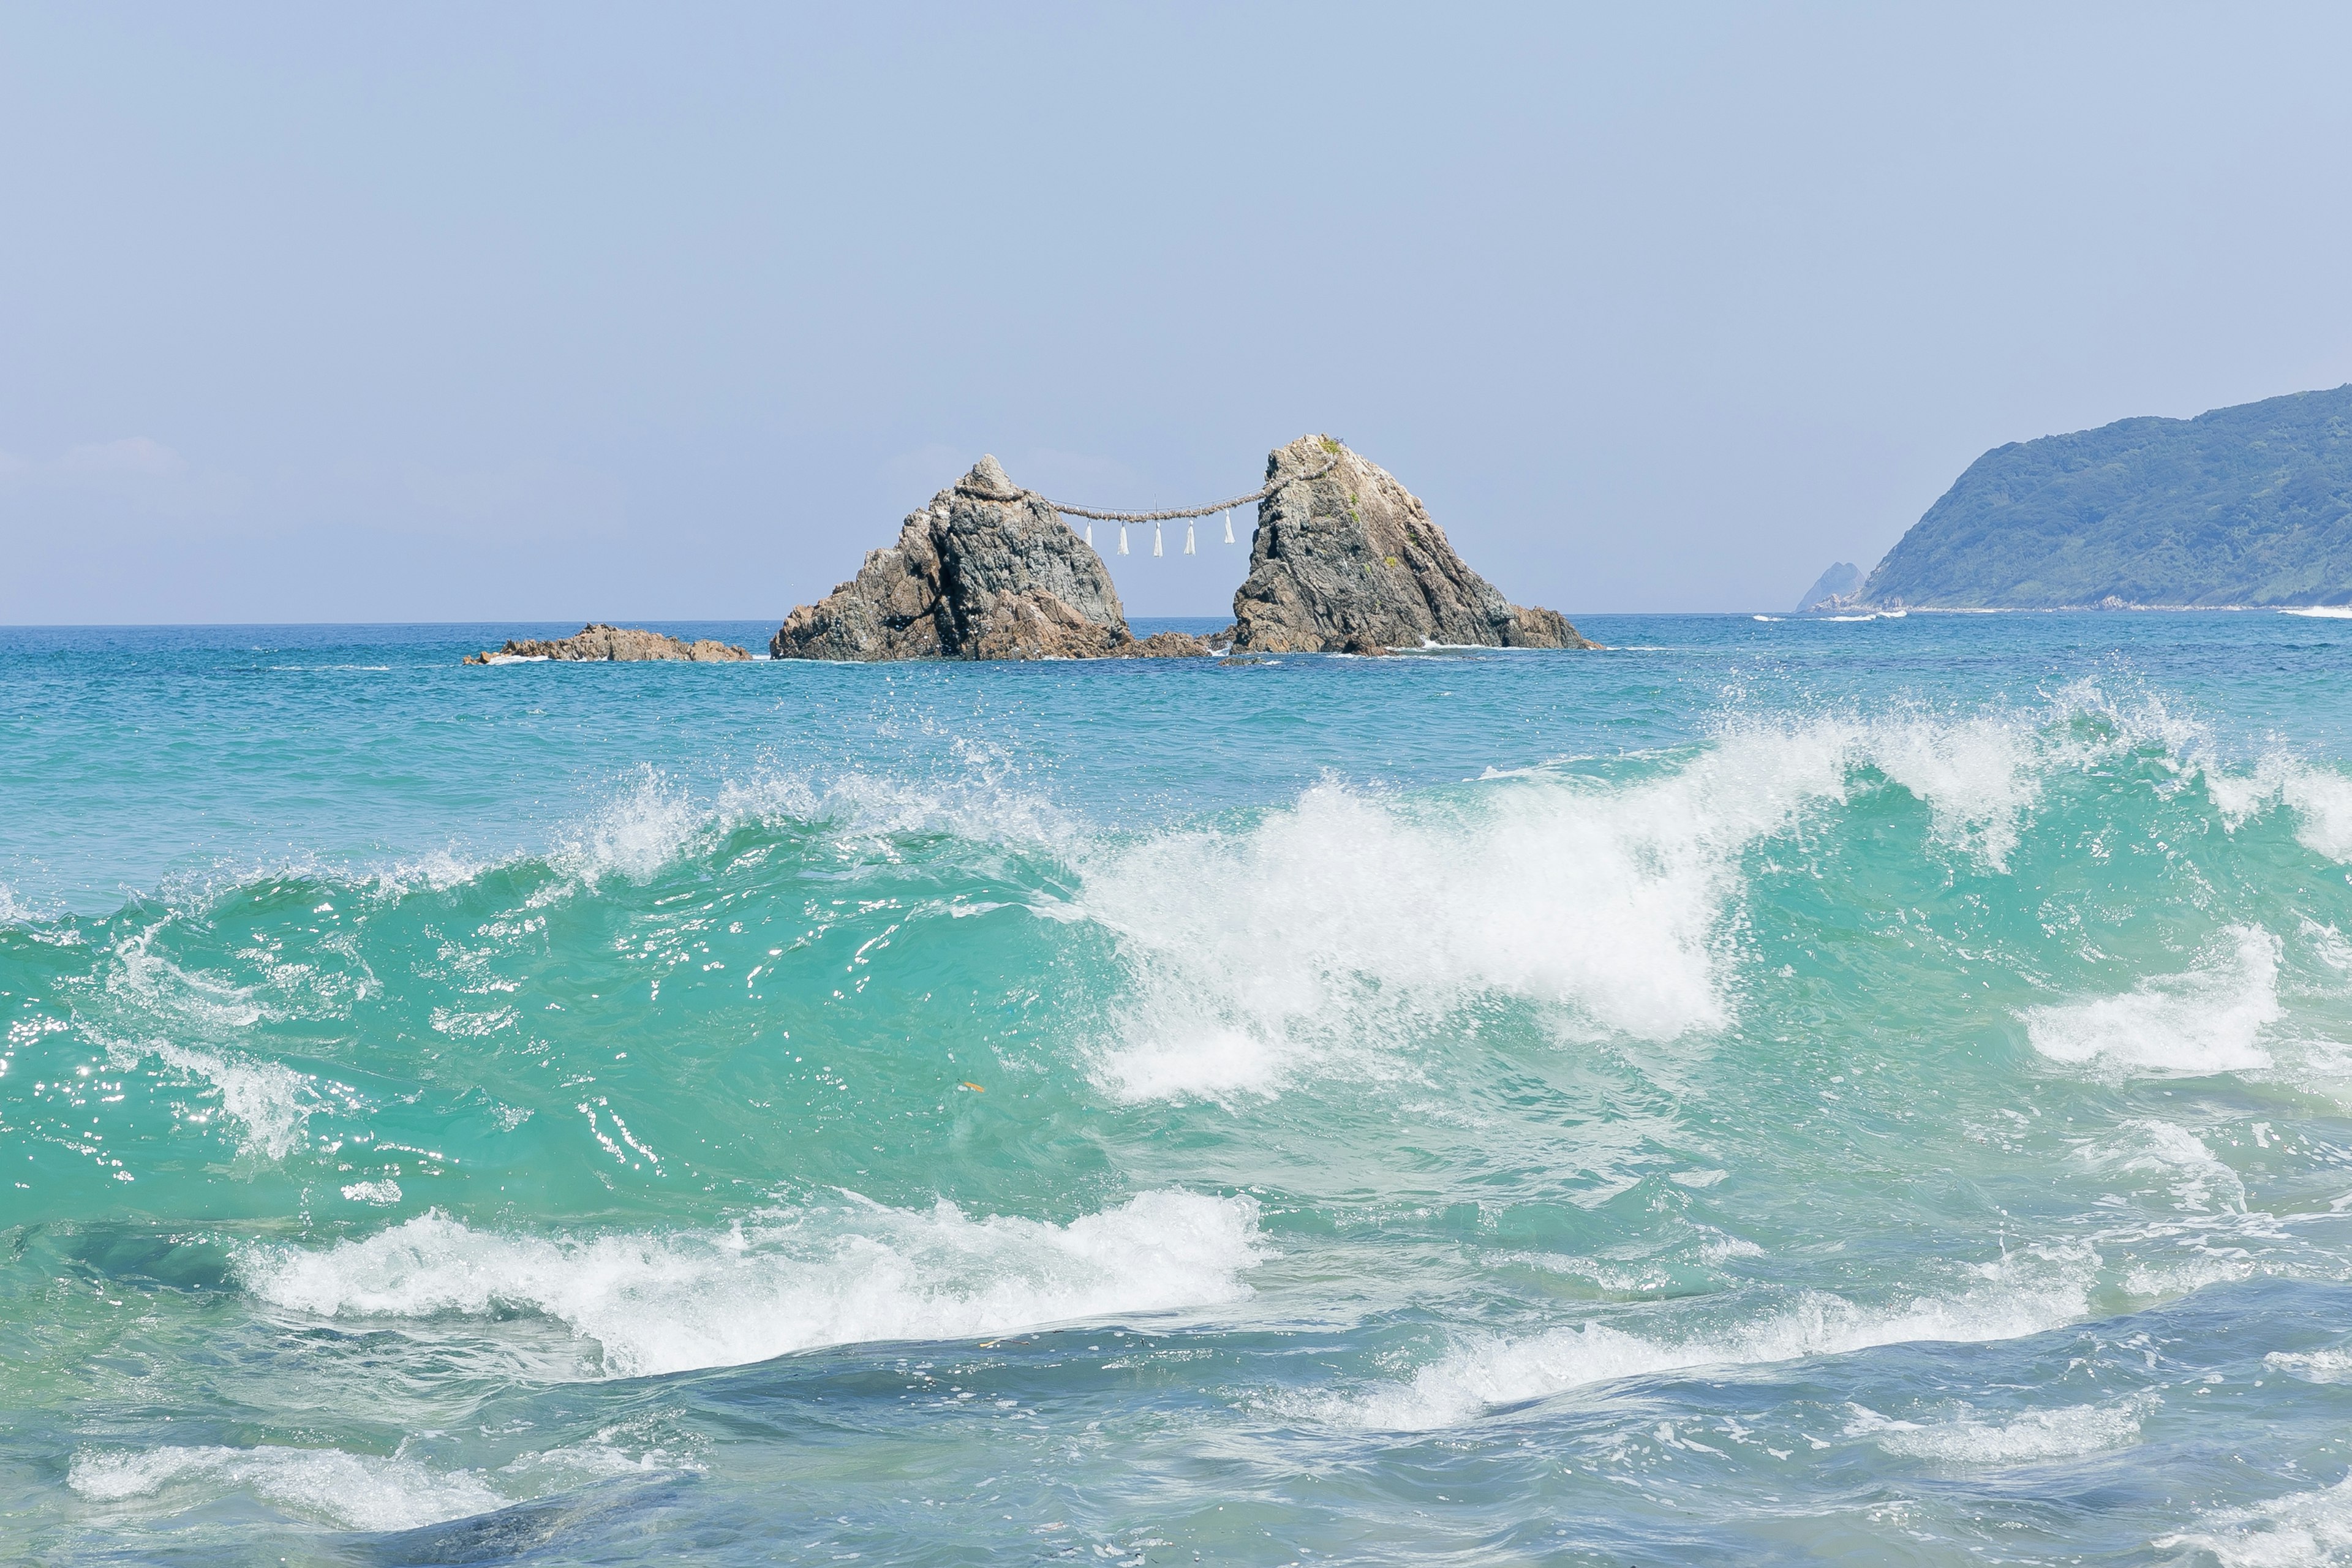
1532 625
1163 644
598 641
1365 647
1836 589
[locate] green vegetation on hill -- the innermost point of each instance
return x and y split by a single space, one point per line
2251 505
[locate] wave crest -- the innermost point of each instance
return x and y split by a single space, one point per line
669 1302
1491 1372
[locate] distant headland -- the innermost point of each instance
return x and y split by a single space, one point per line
2245 506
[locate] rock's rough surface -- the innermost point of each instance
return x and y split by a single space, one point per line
1349 562
975 577
599 641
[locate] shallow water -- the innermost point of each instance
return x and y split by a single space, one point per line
1778 1091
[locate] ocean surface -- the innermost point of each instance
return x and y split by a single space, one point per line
1800 1091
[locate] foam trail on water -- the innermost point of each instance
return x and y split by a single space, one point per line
2207 1020
269 1101
657 1303
1969 1441
2313 1366
2301 1530
2199 1179
357 1491
1483 1373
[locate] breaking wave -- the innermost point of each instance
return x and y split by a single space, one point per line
2300 1530
2208 1019
669 1302
1316 935
1968 1440
1495 1371
356 1491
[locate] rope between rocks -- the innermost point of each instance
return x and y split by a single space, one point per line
1212 509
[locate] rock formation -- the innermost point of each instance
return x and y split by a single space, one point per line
986 571
1834 589
599 641
1347 561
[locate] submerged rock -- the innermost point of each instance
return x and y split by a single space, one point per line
1346 559
598 641
986 571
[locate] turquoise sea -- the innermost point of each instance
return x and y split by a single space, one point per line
1778 1092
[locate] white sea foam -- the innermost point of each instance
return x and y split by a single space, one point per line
2321 799
1323 932
2170 1276
361 1491
634 833
438 871
785 1281
2320 612
358 1491
1977 777
1971 1441
2198 1179
653 820
2313 1366
1320 929
161 989
2301 1530
268 1101
2208 1019
1485 1373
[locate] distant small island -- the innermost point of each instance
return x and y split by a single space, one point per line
599 642
2245 506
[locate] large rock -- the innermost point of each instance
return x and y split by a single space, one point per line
986 571
1349 561
599 641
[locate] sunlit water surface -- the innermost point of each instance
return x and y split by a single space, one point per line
1786 1091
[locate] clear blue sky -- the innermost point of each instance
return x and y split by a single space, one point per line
521 313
